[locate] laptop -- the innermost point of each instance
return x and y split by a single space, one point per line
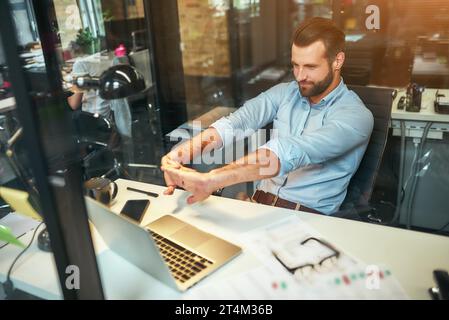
169 249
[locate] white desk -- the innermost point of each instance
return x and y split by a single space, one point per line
412 256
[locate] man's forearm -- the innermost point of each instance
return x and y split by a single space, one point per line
261 164
188 150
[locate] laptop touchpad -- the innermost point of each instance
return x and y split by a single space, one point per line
190 236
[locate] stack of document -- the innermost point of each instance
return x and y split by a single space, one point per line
295 262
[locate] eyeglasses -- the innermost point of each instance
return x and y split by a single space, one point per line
307 268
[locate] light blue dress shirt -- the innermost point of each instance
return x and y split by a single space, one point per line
319 146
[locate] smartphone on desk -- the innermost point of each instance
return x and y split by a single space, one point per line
135 209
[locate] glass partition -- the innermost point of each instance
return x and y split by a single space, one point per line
23 233
201 60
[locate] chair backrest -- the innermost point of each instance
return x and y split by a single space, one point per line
93 128
379 101
98 141
141 61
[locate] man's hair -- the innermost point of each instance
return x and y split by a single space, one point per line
315 29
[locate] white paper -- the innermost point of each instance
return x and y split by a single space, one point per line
345 278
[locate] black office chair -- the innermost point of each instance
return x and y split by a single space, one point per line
356 204
98 141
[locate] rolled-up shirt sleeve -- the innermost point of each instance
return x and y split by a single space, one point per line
253 115
343 131
225 130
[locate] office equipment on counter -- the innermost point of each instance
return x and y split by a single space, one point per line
172 251
441 103
414 97
402 103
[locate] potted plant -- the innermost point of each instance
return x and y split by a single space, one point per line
86 41
8 236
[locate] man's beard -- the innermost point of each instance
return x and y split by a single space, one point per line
317 88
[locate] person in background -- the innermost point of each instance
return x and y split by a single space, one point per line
89 101
116 111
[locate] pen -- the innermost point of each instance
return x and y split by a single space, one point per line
148 193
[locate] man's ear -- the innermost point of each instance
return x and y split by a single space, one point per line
339 60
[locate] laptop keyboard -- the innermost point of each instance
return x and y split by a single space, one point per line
183 264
